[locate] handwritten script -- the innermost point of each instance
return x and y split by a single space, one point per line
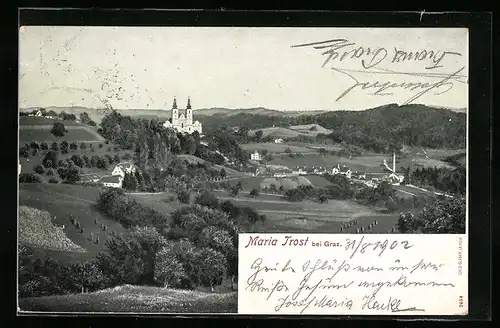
345 274
383 71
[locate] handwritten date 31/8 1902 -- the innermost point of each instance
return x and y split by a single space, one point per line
380 61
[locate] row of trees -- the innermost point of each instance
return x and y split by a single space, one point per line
64 147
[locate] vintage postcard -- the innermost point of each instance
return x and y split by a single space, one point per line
243 170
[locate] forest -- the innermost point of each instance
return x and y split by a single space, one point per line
377 128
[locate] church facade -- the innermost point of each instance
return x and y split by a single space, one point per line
184 122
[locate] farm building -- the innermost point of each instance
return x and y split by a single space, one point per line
278 140
113 181
88 178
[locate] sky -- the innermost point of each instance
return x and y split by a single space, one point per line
146 67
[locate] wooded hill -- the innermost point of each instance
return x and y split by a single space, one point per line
413 125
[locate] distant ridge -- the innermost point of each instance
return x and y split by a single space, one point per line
217 112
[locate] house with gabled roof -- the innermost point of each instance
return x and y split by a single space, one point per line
122 168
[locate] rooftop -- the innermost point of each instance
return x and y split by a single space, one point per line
110 179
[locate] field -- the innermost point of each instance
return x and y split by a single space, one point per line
40 120
369 164
42 133
136 299
292 131
275 148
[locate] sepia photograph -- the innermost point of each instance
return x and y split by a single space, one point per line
145 151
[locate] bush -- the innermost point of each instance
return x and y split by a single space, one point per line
39 169
44 146
254 192
50 159
207 199
30 178
183 196
34 145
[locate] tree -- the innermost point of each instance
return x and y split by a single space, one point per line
102 163
150 241
217 239
24 151
258 135
129 182
168 271
64 147
35 145
207 199
223 173
73 146
442 216
183 195
30 178
70 174
254 192
58 129
39 169
116 158
83 146
54 146
44 146
122 262
211 266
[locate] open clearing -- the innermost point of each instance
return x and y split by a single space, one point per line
140 299
275 147
292 131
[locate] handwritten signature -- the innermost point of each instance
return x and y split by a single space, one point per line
322 283
372 60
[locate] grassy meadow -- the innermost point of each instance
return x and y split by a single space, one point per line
139 299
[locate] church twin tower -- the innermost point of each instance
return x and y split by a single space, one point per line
184 122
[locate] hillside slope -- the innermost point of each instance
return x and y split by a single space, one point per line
63 200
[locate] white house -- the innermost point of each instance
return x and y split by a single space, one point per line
38 113
113 181
396 179
299 172
255 156
122 168
278 140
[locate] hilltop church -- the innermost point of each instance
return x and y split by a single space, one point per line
183 122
